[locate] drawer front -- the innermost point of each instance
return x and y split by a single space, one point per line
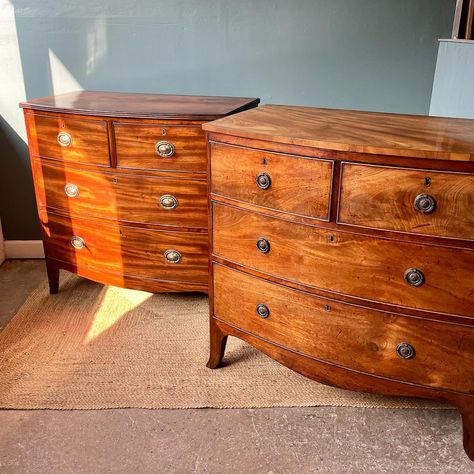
347 263
75 140
347 335
294 184
125 197
160 147
128 251
408 200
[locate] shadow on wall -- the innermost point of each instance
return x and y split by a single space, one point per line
16 186
42 73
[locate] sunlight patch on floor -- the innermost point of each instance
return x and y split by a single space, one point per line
115 304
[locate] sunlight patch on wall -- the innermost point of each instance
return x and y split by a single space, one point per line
11 71
61 79
96 44
116 303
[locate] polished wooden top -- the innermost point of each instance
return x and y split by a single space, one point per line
354 131
154 106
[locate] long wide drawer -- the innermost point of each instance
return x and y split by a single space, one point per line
120 196
78 140
296 184
425 277
145 253
160 147
407 200
403 348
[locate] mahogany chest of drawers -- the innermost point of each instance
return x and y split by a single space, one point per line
121 186
342 246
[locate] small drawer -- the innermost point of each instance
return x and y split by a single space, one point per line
123 197
407 200
160 147
414 350
288 183
424 277
127 251
75 140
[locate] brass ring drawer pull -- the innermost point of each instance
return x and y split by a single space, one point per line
405 350
64 139
263 311
165 149
172 256
424 203
263 181
78 242
71 190
414 277
168 202
263 245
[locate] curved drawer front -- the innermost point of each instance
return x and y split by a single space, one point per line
296 184
351 264
126 251
408 200
124 197
350 336
67 139
160 147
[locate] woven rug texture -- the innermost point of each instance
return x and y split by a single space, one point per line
95 347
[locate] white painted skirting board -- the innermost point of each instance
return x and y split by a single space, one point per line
24 249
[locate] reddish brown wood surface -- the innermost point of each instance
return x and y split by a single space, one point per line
128 251
153 285
382 197
117 210
331 374
339 304
135 147
299 185
354 131
347 263
120 104
89 138
346 335
337 156
123 197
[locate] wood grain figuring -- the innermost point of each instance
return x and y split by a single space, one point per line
346 335
89 139
338 304
334 375
159 106
135 147
126 198
383 198
128 251
299 184
338 157
354 131
128 203
347 263
153 285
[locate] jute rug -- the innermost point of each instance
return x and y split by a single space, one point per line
93 346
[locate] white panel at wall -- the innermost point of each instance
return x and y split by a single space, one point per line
453 85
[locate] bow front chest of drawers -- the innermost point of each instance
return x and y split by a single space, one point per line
343 247
121 186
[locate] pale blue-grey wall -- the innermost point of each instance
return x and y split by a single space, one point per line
453 86
360 54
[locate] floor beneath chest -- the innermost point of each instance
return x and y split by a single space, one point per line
277 440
